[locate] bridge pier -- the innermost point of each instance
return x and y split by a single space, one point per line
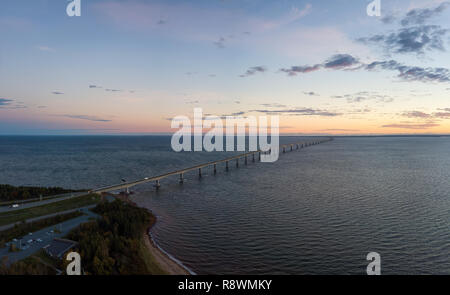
237 163
181 178
157 184
284 149
297 145
215 168
253 157
291 148
226 165
200 172
259 156
245 160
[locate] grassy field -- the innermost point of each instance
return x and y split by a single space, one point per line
24 214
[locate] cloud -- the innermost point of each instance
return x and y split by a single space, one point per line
94 86
220 43
420 16
405 73
57 93
294 70
161 22
273 105
5 101
253 70
113 90
441 114
45 48
388 19
300 112
340 61
416 114
411 73
339 130
415 36
411 126
86 117
416 39
311 93
364 96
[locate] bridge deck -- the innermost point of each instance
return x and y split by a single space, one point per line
182 171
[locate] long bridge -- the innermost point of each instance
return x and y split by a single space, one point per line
156 179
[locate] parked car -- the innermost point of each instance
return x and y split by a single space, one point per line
15 206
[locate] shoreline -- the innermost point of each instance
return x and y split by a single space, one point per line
167 262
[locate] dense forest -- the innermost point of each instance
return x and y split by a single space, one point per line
12 193
28 266
113 244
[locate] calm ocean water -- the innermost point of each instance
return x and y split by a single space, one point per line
319 210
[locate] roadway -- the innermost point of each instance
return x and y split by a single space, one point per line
43 202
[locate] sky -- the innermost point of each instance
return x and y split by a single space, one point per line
130 66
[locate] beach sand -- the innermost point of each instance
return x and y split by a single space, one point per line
164 261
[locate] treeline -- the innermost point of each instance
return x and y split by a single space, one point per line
12 193
113 244
28 266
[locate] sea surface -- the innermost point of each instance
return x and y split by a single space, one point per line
319 210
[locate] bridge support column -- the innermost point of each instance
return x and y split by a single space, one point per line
199 172
237 163
181 178
215 168
253 158
157 184
284 149
259 156
245 160
291 148
297 145
226 165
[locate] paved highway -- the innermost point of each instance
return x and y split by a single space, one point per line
38 203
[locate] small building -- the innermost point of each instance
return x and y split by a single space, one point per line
59 247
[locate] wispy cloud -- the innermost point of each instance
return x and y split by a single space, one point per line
45 48
57 93
420 16
253 70
439 114
364 96
300 112
5 101
87 117
411 126
311 93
